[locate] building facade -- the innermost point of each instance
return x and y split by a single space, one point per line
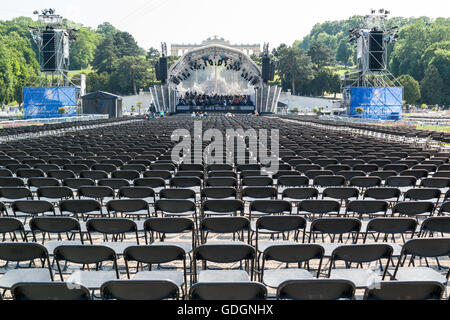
178 50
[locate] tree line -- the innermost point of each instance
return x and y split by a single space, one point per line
420 59
113 61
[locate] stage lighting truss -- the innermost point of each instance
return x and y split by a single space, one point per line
213 56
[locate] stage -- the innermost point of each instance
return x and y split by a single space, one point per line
219 109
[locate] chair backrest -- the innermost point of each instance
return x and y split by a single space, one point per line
185 182
32 207
219 192
423 194
177 193
365 182
54 192
435 183
21 252
175 206
80 206
382 193
43 182
293 181
427 248
221 182
341 193
228 291
150 182
319 206
317 289
112 226
391 226
76 183
55 225
362 207
140 290
224 225
410 290
224 253
293 253
329 181
336 226
168 226
85 255
280 224
11 225
300 193
435 225
96 192
42 291
412 208
231 206
13 193
127 205
136 192
362 253
403 181
257 181
271 206
114 183
259 192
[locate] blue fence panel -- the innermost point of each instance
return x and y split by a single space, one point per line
378 103
45 102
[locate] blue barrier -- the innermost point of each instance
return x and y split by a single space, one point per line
378 103
45 102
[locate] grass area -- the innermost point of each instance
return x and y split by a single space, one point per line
433 127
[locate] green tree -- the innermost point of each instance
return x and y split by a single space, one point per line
112 48
295 67
125 45
411 88
432 86
153 54
82 50
344 52
130 73
321 55
105 56
106 29
98 82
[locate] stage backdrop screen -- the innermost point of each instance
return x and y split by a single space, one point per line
378 103
45 102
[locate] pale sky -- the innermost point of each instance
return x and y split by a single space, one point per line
240 21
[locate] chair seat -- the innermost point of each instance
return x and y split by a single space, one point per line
136 213
11 277
253 228
329 247
119 247
175 276
51 245
419 274
273 278
180 214
262 246
213 213
186 246
223 276
362 278
397 249
92 280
